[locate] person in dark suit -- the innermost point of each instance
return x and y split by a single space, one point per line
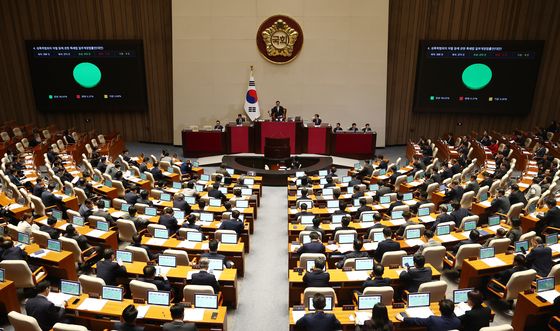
357 192
363 206
407 216
108 270
442 217
178 315
240 119
277 112
447 320
455 192
315 246
478 317
413 277
316 227
213 254
356 253
500 204
128 317
516 195
49 228
48 198
302 211
387 245
39 187
474 237
376 278
11 252
86 209
156 172
168 220
131 196
458 213
353 128
180 203
144 198
345 225
234 223
216 193
139 222
191 223
550 218
44 311
149 272
519 264
137 242
317 277
101 212
203 277
318 321
317 120
540 257
379 320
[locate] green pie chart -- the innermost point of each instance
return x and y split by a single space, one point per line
477 76
87 74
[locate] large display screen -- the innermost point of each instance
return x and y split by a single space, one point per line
88 75
489 77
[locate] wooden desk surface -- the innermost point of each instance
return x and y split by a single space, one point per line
192 246
108 236
531 313
180 271
338 275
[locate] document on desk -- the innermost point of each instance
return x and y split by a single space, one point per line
95 233
58 298
414 242
397 222
194 314
297 314
295 247
485 203
92 304
549 295
427 219
493 262
461 308
447 238
345 248
332 247
420 312
555 247
362 317
156 241
162 271
142 311
356 275
14 206
371 246
39 253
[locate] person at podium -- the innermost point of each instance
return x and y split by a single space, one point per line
277 113
366 128
337 128
239 120
317 120
353 128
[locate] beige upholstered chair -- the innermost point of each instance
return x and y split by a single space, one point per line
519 282
138 253
19 272
182 257
500 245
467 219
434 255
528 236
71 245
465 251
555 272
41 238
140 289
303 258
436 288
394 257
503 327
311 291
127 229
91 284
386 292
341 232
467 199
22 322
190 290
218 234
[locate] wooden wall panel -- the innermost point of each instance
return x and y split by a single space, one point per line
413 20
148 20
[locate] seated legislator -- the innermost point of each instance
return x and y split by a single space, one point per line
215 191
353 128
376 278
191 223
317 277
550 218
515 231
316 227
101 212
317 120
338 128
139 222
407 215
366 128
40 308
478 317
379 320
108 270
442 217
49 228
501 203
345 225
144 198
203 277
234 223
519 264
178 315
128 320
11 252
318 320
315 246
218 126
540 257
356 253
240 119
387 245
302 211
137 242
26 225
447 321
168 220
277 113
131 196
430 242
474 237
413 277
149 272
213 254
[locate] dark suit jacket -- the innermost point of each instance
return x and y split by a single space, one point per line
170 222
205 278
435 323
51 231
162 285
216 194
500 205
49 199
387 245
312 247
131 198
516 197
442 218
109 271
316 278
156 172
540 259
182 205
368 326
312 228
44 311
377 281
234 225
454 194
414 277
458 215
13 253
550 218
38 190
121 326
319 321
475 319
179 326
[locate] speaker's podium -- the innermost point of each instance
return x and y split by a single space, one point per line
277 148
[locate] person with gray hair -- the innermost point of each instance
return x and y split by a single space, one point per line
203 277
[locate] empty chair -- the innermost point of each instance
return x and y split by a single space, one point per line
19 272
190 290
467 200
436 288
386 292
514 211
151 228
80 257
311 291
68 327
127 229
465 251
433 187
390 258
482 191
140 289
401 208
41 238
434 255
38 206
22 322
500 245
182 257
555 272
91 284
400 180
120 187
528 236
519 282
430 206
138 253
117 203
468 219
415 226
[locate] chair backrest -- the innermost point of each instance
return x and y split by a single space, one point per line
415 226
503 327
303 258
304 233
311 291
117 203
436 288
190 290
401 208
434 255
141 207
80 195
500 245
514 211
92 220
182 257
91 284
467 199
68 327
400 179
392 258
528 236
466 251
38 206
481 191
22 322
386 292
467 219
138 253
430 205
71 245
494 187
156 194
101 139
218 234
120 187
341 232
18 271
555 272
431 189
127 229
519 282
140 289
41 238
309 203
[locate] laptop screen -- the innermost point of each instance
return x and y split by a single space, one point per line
396 215
170 169
423 212
249 181
246 191
521 246
106 203
215 202
57 214
78 220
165 197
409 179
552 239
412 234
442 230
469 225
337 219
493 220
306 239
407 197
179 214
150 211
323 172
194 236
125 206
2 275
364 264
215 264
322 181
223 190
366 302
160 298
382 172
229 238
328 303
418 300
112 293
161 233
23 238
483 197
350 189
204 178
199 188
373 187
461 295
407 261
124 256
230 171
346 179
357 165
195 164
378 236
102 226
307 219
70 287
108 183
300 174
242 203
385 200
486 252
356 202
545 284
190 200
177 185
367 216
206 301
327 191
143 176
53 245
206 217
346 238
167 261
